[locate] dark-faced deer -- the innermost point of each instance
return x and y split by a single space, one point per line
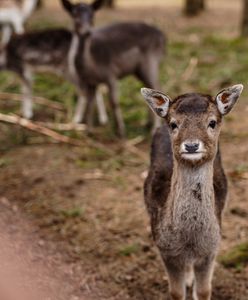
51 50
13 14
104 55
185 191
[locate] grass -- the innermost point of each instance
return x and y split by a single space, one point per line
236 258
73 213
129 250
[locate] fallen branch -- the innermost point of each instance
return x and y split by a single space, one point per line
38 100
13 119
63 126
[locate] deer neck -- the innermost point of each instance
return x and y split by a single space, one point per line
192 194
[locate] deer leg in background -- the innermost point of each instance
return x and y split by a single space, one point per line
6 34
101 108
113 97
18 26
80 107
88 114
27 103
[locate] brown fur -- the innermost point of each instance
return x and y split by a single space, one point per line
197 241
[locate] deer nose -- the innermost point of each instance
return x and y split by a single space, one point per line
191 147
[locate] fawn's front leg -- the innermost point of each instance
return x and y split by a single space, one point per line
177 278
203 278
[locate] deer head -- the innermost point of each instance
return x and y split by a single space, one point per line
194 121
82 14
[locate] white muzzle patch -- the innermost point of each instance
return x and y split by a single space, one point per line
192 149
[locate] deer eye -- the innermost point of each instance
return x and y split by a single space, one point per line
173 125
212 124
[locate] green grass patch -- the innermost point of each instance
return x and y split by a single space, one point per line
73 213
236 258
129 250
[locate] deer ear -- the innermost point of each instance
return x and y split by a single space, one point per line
97 4
157 101
228 97
67 5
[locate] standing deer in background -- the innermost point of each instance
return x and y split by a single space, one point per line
185 191
104 55
47 50
13 14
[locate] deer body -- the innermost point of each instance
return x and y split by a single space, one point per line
112 52
42 51
13 14
186 188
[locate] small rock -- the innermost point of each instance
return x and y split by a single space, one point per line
15 208
5 201
41 243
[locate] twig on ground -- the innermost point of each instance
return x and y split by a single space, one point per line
36 127
39 100
13 119
63 126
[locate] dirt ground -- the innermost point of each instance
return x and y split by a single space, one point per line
81 209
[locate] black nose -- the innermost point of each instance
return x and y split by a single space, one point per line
192 148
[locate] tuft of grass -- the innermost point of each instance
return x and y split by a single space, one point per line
129 250
236 258
73 213
4 162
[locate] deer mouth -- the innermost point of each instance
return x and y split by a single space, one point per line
192 155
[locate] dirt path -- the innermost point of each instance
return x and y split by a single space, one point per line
31 268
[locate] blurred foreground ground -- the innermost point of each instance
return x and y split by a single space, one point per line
89 203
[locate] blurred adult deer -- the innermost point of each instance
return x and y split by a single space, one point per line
13 14
185 191
104 55
47 50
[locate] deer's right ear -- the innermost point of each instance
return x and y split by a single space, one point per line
157 101
67 5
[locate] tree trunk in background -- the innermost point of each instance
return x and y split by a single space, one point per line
244 26
194 7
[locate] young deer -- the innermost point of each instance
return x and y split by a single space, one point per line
49 50
13 14
185 191
104 55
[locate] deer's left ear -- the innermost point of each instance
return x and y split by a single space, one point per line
157 101
97 4
228 97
